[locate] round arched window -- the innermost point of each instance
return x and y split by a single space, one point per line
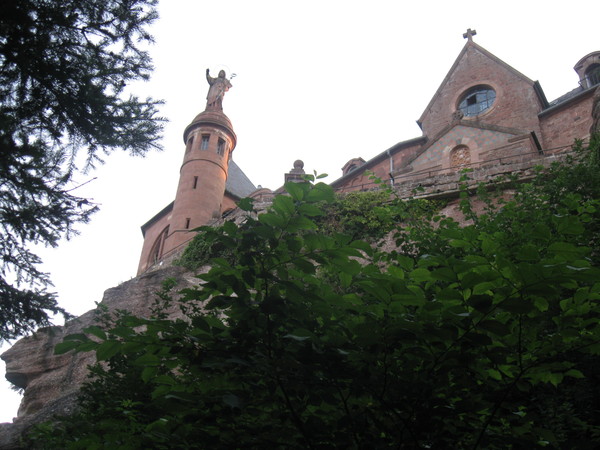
593 74
477 100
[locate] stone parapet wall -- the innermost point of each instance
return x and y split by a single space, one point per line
446 182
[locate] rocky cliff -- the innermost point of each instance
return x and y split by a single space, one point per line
51 382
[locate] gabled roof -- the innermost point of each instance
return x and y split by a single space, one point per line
470 44
159 215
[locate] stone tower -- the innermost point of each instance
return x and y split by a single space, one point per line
209 142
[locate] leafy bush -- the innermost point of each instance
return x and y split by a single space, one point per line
478 336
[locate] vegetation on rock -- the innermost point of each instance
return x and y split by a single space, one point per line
485 335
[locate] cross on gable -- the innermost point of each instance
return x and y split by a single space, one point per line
469 34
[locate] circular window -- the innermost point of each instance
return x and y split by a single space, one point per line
477 100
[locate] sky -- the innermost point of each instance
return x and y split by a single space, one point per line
323 81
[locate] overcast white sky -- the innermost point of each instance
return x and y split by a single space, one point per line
318 80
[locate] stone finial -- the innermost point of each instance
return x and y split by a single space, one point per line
469 34
296 174
298 166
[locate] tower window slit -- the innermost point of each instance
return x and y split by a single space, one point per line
187 223
195 185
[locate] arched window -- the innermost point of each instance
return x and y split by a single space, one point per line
592 74
460 156
157 249
477 100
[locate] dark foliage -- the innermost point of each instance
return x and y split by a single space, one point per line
64 67
480 336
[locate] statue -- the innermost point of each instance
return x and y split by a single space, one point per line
216 92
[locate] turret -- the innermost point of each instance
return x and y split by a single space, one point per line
209 141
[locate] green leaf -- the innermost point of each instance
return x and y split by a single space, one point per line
246 204
420 275
304 265
516 305
147 359
273 220
300 223
165 379
148 373
565 250
107 350
570 225
493 373
483 288
295 190
528 252
64 347
574 373
362 245
494 326
284 205
230 227
96 331
459 243
321 192
555 378
396 272
310 210
444 274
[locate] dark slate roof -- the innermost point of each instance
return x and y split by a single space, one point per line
574 95
167 209
238 184
383 155
567 96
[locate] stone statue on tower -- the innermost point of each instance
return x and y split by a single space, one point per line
216 92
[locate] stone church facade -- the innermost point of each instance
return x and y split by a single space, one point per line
485 115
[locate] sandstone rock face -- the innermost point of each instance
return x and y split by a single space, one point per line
51 382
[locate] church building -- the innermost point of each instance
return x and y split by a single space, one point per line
485 115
